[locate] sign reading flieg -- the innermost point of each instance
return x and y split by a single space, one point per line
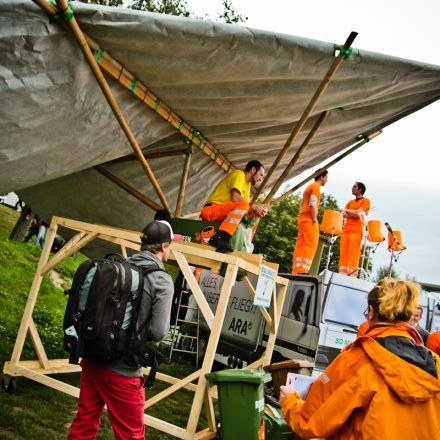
263 292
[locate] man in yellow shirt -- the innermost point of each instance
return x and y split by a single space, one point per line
308 227
229 202
351 241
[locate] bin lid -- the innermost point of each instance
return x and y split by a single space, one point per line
292 363
247 375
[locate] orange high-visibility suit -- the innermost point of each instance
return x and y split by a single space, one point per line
308 232
370 393
351 240
433 342
363 328
219 205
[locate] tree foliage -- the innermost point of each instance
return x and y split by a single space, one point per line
277 233
173 7
382 272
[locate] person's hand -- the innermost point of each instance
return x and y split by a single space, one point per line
284 392
261 210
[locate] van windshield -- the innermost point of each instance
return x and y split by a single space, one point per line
345 305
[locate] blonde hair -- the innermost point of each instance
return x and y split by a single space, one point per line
394 300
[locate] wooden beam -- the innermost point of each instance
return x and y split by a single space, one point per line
308 110
296 157
74 27
36 341
141 91
229 281
33 293
326 167
128 188
195 288
183 182
74 245
172 389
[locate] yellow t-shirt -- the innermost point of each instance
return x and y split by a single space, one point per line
236 180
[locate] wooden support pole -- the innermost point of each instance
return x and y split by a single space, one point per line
296 157
208 360
74 245
183 181
33 293
126 78
311 105
126 187
62 4
38 345
326 167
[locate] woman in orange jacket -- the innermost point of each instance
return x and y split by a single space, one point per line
385 385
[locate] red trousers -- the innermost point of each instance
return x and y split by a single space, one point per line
124 397
231 213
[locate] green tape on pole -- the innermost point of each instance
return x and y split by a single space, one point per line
186 140
360 137
345 52
217 154
98 55
156 104
181 124
202 141
134 85
65 16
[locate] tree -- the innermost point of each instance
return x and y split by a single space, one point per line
277 233
382 272
173 7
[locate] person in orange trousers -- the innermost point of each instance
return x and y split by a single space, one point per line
433 342
385 385
308 227
229 202
355 213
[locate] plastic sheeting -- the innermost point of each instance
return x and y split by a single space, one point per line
244 89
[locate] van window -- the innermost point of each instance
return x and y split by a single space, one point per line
299 306
345 306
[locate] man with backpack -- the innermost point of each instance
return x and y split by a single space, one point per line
118 383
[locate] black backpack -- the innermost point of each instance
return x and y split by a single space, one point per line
104 319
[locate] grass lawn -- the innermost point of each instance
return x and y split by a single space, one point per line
35 411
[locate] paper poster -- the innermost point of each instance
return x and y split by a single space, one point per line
299 383
263 292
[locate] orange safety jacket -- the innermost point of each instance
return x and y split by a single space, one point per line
370 393
433 342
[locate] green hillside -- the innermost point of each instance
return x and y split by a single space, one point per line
35 411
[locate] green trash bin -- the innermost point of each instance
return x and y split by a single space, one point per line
241 401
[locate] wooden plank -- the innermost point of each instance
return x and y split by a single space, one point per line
211 348
33 293
58 258
251 290
46 380
172 389
170 379
210 413
121 242
183 182
133 236
255 259
166 427
274 266
258 363
38 345
124 251
195 289
206 434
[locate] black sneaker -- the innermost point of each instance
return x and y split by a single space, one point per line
221 241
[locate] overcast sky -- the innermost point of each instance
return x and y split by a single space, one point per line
400 167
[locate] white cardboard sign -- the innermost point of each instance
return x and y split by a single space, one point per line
263 292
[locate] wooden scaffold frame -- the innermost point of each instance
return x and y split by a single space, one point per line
183 254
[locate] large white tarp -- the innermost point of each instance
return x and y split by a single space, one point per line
243 88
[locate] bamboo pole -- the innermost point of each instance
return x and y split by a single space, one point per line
126 187
127 79
326 167
311 105
62 4
296 157
183 182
